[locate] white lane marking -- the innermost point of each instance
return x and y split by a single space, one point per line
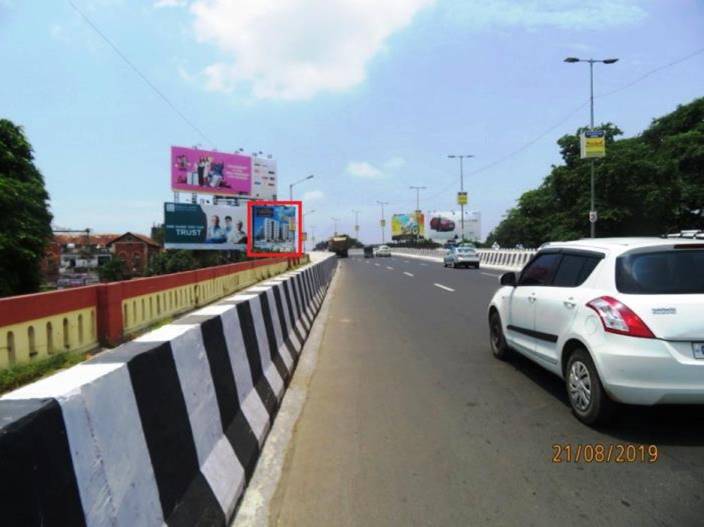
444 287
426 265
377 264
489 274
407 274
389 268
406 261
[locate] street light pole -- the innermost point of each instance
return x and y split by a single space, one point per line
592 200
356 224
382 203
290 187
335 220
461 158
417 189
303 223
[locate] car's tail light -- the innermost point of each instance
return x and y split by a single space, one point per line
618 318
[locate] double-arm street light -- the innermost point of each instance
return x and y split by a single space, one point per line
356 224
290 187
571 60
383 221
461 157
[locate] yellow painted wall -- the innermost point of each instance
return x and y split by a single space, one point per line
42 337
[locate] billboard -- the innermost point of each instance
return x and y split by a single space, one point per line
275 227
407 226
205 227
446 226
263 178
194 170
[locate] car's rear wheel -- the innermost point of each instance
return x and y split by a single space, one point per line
589 401
498 343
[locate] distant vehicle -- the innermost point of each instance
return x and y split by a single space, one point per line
368 251
461 256
340 245
383 250
619 319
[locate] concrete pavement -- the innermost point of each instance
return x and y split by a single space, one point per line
411 421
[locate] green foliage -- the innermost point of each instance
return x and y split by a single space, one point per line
22 374
25 222
646 185
171 262
112 270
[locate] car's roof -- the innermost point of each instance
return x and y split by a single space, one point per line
619 245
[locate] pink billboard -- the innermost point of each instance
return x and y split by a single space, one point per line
221 173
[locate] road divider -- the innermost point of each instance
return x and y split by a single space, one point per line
499 259
165 429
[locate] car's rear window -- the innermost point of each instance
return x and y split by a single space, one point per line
465 250
673 272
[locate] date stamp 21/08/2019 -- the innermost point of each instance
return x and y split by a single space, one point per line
604 453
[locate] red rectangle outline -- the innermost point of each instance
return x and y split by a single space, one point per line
250 229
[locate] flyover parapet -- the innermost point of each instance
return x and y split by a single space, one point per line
78 320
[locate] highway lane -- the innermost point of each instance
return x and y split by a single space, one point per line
411 421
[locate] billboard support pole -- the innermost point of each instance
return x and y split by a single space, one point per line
417 189
461 158
382 203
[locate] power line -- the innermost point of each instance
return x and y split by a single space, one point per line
530 143
140 74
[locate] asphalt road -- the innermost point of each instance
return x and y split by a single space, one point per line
411 421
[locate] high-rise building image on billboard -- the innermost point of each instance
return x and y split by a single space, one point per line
275 227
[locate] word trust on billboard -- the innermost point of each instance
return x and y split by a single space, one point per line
211 172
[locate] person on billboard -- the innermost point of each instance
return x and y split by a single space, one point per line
216 234
216 174
238 236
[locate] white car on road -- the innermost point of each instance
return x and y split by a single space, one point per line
461 256
619 319
383 250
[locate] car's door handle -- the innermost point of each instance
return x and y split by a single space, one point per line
532 299
569 304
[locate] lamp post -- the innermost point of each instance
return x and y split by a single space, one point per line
417 189
290 187
303 222
383 221
572 60
356 224
461 157
335 220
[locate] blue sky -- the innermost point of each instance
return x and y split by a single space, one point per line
369 96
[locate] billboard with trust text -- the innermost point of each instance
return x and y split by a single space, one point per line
205 227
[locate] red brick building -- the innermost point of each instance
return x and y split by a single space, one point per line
135 250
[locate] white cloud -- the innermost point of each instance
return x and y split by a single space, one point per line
362 169
313 195
295 49
395 163
169 3
563 14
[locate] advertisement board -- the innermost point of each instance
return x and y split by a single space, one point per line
205 227
407 226
446 226
275 227
264 178
592 143
194 170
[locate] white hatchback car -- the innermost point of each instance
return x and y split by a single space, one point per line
383 250
620 319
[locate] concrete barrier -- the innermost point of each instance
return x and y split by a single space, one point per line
499 259
165 429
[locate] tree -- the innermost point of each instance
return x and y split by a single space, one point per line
646 185
25 222
113 270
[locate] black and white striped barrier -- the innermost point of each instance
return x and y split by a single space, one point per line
166 429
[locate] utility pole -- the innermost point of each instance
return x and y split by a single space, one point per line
335 220
356 224
461 157
592 209
383 221
418 213
290 187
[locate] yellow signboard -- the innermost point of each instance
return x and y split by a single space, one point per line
592 143
461 198
383 223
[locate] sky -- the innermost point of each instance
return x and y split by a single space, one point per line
370 97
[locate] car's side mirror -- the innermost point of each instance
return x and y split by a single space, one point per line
508 279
